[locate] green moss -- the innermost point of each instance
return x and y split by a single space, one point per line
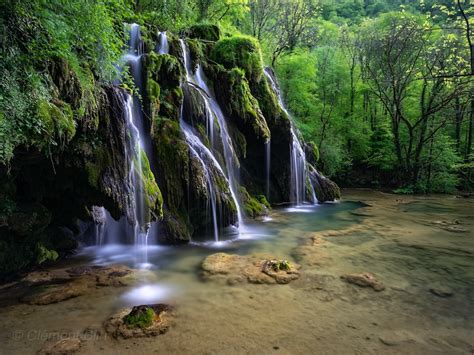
263 200
141 319
163 77
44 254
94 168
173 159
244 106
196 52
242 52
312 152
151 190
278 265
56 122
253 208
153 92
204 31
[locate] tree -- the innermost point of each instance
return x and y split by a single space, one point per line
406 64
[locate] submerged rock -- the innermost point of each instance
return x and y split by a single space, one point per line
364 279
140 321
259 269
441 291
48 294
63 346
47 287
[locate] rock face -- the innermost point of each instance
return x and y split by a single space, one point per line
364 279
257 269
325 189
140 321
44 195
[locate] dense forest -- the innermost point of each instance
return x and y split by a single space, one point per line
380 92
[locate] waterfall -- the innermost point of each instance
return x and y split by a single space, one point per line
138 146
163 46
267 168
299 171
213 113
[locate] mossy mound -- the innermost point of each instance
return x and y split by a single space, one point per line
140 316
205 32
242 52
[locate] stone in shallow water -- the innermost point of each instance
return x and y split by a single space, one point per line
53 286
63 346
259 269
55 293
364 279
121 326
441 291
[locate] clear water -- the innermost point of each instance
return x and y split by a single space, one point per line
318 313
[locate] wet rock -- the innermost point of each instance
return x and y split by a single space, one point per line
364 279
450 226
395 338
63 346
441 291
259 269
140 321
53 286
48 294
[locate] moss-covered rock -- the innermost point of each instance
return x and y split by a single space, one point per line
204 31
163 92
57 122
241 52
325 189
252 206
312 153
140 316
150 191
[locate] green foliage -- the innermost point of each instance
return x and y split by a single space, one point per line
44 254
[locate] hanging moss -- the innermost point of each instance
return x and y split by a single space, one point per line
242 106
242 52
57 122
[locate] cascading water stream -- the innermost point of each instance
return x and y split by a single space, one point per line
213 112
299 171
138 143
163 46
267 168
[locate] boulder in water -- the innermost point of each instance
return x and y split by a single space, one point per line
364 279
140 321
325 189
258 269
